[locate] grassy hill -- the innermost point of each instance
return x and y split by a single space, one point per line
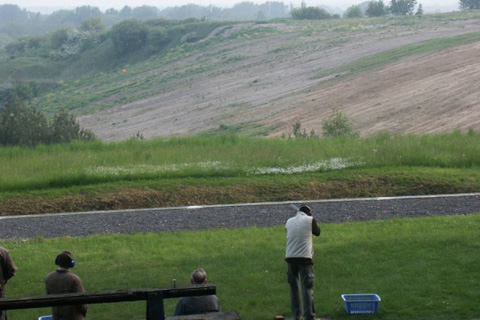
396 74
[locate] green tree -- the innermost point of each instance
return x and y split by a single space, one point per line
419 10
65 128
376 9
338 125
59 37
402 7
299 134
12 13
309 13
156 38
354 11
21 124
93 25
85 12
145 13
469 4
128 36
126 12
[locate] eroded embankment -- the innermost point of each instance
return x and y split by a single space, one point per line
202 195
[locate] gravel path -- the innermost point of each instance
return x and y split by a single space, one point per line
232 216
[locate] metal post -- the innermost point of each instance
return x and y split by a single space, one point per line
155 309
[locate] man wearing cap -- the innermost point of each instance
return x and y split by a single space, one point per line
7 271
63 280
197 304
299 257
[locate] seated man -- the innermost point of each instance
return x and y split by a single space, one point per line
64 281
197 304
7 271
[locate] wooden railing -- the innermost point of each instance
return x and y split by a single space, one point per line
153 296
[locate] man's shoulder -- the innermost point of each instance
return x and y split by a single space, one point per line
3 251
62 274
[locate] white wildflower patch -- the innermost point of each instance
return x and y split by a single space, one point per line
332 164
149 169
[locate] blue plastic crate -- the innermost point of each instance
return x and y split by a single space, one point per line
362 303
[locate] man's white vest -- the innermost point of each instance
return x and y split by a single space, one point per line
299 236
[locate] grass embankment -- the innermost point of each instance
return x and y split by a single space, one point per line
230 169
422 268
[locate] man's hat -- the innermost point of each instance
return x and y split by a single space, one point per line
306 209
65 260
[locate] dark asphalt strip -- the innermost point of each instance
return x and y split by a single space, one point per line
231 216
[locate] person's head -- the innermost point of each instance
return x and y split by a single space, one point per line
65 260
306 209
199 276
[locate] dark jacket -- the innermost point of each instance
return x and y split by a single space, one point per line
64 281
197 305
7 267
7 271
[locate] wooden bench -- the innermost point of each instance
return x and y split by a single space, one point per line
153 296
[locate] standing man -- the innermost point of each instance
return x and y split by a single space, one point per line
299 257
197 304
63 280
7 271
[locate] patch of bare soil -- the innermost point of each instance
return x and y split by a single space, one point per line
428 94
271 81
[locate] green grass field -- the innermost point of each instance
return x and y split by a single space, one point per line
232 169
424 268
61 166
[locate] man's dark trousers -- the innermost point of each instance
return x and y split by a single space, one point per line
301 276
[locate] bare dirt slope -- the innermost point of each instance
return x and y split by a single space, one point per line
270 81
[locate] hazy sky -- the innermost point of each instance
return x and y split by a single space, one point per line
118 4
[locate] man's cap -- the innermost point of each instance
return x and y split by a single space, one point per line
305 209
64 259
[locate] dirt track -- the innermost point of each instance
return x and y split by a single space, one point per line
273 84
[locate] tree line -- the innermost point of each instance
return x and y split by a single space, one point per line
21 124
375 8
124 38
16 22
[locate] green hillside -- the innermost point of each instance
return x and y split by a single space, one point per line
85 66
162 77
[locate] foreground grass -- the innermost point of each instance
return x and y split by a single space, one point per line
229 169
422 268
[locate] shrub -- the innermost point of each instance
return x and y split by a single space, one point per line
402 7
23 125
354 11
94 25
157 37
469 4
65 128
338 125
128 36
309 13
76 41
376 9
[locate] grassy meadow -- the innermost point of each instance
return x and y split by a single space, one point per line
423 268
229 169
